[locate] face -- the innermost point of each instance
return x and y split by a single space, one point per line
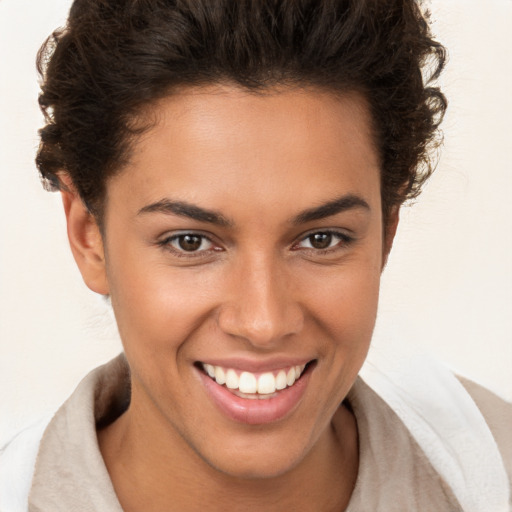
243 247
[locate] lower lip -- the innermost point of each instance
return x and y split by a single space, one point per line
260 410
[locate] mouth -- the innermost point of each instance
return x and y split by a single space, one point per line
251 385
255 397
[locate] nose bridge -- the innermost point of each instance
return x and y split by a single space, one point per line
261 308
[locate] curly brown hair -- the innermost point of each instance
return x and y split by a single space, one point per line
115 57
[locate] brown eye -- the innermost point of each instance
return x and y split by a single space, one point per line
324 241
320 240
190 243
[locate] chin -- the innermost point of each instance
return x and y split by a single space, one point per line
256 465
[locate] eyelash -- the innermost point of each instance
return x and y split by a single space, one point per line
166 243
344 240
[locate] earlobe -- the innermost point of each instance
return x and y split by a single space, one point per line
389 233
85 238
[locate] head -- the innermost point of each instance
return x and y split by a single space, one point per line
232 173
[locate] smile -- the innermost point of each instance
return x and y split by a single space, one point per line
255 398
253 385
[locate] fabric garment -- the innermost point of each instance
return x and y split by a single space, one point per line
447 424
395 473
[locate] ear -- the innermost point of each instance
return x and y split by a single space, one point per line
389 233
84 238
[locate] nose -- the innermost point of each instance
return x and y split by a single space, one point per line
261 306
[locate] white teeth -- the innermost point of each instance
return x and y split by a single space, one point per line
266 384
220 376
290 376
210 370
232 380
247 383
281 380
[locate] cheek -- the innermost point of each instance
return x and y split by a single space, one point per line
346 300
344 308
158 312
157 306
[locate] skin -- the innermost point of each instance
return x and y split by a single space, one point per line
256 289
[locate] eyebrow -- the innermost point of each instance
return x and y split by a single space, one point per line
191 211
184 209
338 205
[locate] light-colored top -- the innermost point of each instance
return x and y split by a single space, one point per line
394 472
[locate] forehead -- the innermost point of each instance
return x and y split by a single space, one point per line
220 144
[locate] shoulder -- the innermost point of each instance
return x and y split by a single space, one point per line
17 463
498 416
447 423
62 448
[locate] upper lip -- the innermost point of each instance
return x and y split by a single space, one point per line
257 366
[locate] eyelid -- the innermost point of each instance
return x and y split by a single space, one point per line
165 243
342 235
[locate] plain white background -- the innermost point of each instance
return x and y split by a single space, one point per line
448 286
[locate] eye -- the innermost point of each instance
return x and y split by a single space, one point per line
191 243
323 240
